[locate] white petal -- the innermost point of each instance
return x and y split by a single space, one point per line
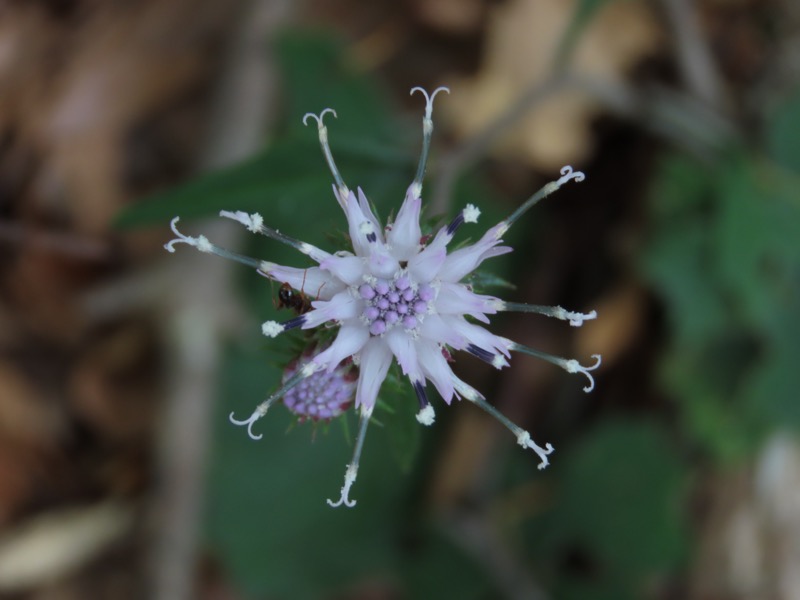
375 361
465 260
427 264
466 390
349 269
405 233
435 367
404 350
351 339
367 210
435 329
383 264
314 282
475 334
456 299
363 233
496 251
342 306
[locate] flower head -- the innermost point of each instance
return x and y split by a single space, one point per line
398 296
322 396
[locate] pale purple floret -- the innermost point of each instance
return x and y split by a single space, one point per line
395 298
323 395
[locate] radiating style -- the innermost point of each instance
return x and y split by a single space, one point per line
398 296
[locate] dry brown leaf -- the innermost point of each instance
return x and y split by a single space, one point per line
56 544
75 91
451 16
621 319
523 38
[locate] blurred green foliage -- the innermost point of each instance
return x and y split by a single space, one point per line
724 255
617 520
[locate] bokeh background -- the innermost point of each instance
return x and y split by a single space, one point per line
678 477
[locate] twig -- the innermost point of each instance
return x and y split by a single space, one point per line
694 59
677 118
618 97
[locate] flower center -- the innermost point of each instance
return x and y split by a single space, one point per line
393 303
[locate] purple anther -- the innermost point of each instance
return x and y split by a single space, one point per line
402 283
382 287
366 291
383 304
409 295
372 313
420 307
393 297
401 307
426 292
378 327
391 317
410 322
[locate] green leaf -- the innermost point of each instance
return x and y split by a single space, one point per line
678 262
290 173
403 431
782 139
756 241
624 488
370 145
437 569
317 75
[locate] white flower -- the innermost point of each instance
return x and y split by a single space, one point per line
396 298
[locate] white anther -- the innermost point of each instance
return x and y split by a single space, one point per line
310 368
416 189
204 245
429 98
499 361
253 222
256 222
568 174
319 118
426 415
349 480
573 366
201 242
576 319
524 440
271 329
471 213
257 414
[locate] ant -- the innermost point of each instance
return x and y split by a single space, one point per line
298 301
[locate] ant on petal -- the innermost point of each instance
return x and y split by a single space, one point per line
297 301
